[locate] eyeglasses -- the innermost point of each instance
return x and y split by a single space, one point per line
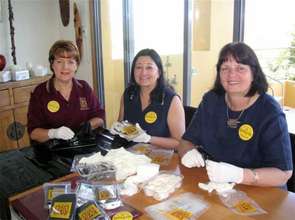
236 69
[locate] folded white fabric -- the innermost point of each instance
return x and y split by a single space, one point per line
193 158
144 173
219 187
126 163
224 172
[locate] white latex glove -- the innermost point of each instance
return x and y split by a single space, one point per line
193 158
143 137
221 172
63 132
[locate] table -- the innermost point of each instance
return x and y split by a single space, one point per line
278 203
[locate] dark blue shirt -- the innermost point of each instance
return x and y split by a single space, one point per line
153 119
260 140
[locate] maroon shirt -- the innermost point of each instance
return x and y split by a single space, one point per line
48 108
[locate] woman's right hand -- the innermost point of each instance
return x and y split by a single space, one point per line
193 158
63 132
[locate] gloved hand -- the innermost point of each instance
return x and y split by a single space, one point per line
193 158
85 130
143 137
221 172
63 132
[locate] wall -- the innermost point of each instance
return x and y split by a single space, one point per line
204 61
37 26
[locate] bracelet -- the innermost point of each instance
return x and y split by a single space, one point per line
255 174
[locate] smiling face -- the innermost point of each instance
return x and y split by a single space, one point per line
236 78
146 72
64 67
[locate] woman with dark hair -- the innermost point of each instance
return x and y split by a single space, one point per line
239 126
152 104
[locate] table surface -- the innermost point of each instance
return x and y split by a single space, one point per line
277 203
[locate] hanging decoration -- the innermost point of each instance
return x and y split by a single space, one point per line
78 29
64 6
11 18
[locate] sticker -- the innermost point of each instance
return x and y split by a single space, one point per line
244 207
104 195
178 214
53 106
83 104
246 132
61 210
90 212
124 215
55 191
150 117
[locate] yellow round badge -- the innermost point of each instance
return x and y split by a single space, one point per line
123 215
150 117
246 132
53 106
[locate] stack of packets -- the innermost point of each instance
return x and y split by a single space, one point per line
237 201
97 193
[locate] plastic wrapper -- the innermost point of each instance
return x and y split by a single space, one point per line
126 130
52 190
186 206
107 195
162 185
63 207
84 192
240 203
91 211
158 155
122 211
97 172
76 161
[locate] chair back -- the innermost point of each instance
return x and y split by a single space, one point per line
189 111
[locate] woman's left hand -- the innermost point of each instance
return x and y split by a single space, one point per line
224 172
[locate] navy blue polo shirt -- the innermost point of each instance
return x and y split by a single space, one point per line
48 108
260 140
153 119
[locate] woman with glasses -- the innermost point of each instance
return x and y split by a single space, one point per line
238 126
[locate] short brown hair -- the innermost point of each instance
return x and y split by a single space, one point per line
62 46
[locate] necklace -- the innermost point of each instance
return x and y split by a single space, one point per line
233 122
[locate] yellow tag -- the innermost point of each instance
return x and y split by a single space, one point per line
246 132
124 215
142 149
91 212
53 106
158 159
61 210
178 214
244 207
150 117
54 192
104 195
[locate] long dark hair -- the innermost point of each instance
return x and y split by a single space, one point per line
157 92
243 54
